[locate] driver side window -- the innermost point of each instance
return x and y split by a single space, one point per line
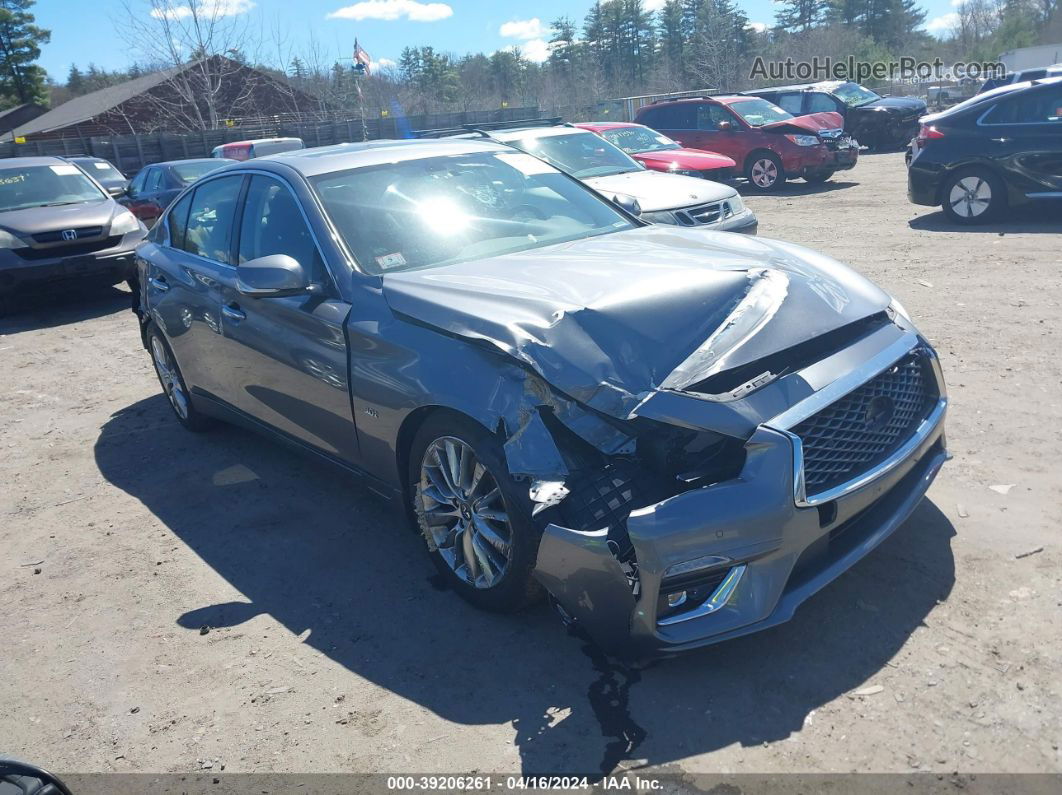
818 103
273 224
137 185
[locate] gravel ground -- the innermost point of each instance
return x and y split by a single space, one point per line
178 602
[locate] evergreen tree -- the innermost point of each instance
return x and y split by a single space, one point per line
22 80
75 81
800 15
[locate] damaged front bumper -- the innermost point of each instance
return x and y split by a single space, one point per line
748 551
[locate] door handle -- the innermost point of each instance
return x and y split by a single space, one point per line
233 312
999 140
158 283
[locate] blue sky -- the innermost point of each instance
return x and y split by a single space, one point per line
84 30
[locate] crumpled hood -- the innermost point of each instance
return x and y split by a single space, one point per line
609 319
812 122
658 191
34 220
689 159
904 106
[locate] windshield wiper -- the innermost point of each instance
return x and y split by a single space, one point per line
56 204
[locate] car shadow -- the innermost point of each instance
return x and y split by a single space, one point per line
800 188
314 550
59 306
1039 219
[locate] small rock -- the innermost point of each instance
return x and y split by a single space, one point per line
206 764
873 690
1002 488
204 630
134 710
1021 555
962 512
37 571
924 283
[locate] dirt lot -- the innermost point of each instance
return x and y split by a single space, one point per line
329 649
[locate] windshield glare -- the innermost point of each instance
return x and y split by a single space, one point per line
43 186
100 169
581 154
853 94
638 139
758 112
188 173
441 210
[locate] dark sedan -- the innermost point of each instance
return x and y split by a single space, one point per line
57 224
680 434
875 121
997 150
104 172
155 186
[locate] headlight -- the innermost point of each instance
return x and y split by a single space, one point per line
8 240
736 204
896 308
660 218
126 222
804 140
674 169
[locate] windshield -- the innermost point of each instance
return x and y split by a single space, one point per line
853 95
100 169
638 139
581 154
437 211
45 186
188 173
758 112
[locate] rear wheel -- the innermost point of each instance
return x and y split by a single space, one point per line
172 382
973 196
475 518
764 171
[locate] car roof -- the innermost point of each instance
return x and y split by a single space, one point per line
182 161
341 157
22 162
520 133
606 125
824 85
252 141
720 99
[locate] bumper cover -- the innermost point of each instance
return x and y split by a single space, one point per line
788 549
117 263
744 222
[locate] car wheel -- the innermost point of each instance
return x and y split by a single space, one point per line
818 177
475 518
764 171
173 385
973 196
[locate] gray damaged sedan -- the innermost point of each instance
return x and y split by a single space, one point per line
679 435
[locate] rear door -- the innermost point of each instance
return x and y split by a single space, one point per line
677 122
719 130
184 275
1025 139
286 358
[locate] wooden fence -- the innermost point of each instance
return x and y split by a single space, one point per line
130 153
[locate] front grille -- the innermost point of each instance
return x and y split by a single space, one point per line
69 250
701 214
56 236
863 428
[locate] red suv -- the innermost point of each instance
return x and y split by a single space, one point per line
768 144
658 152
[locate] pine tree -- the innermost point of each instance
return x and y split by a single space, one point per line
75 81
799 15
21 79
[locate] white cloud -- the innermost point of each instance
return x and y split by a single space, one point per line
759 27
390 10
942 24
653 5
535 50
383 63
523 29
208 9
957 3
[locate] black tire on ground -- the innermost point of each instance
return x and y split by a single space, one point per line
173 386
764 171
818 177
973 196
515 587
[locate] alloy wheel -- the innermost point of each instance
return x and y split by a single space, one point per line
764 173
464 514
970 197
171 382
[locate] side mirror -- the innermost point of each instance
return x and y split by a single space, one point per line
628 203
724 126
271 277
118 191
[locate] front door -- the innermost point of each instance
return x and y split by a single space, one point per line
1025 138
286 357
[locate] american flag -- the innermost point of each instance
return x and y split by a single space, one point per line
362 59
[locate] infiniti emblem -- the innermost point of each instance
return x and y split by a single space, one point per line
69 234
878 413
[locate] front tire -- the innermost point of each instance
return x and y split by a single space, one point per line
973 196
764 171
173 386
475 518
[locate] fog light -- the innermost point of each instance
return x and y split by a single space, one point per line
676 599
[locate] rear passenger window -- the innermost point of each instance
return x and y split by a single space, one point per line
176 220
210 218
791 103
819 103
273 224
154 180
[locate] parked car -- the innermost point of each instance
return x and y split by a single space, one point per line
659 153
680 435
881 123
659 198
259 147
768 144
1022 76
994 151
57 224
155 186
104 172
